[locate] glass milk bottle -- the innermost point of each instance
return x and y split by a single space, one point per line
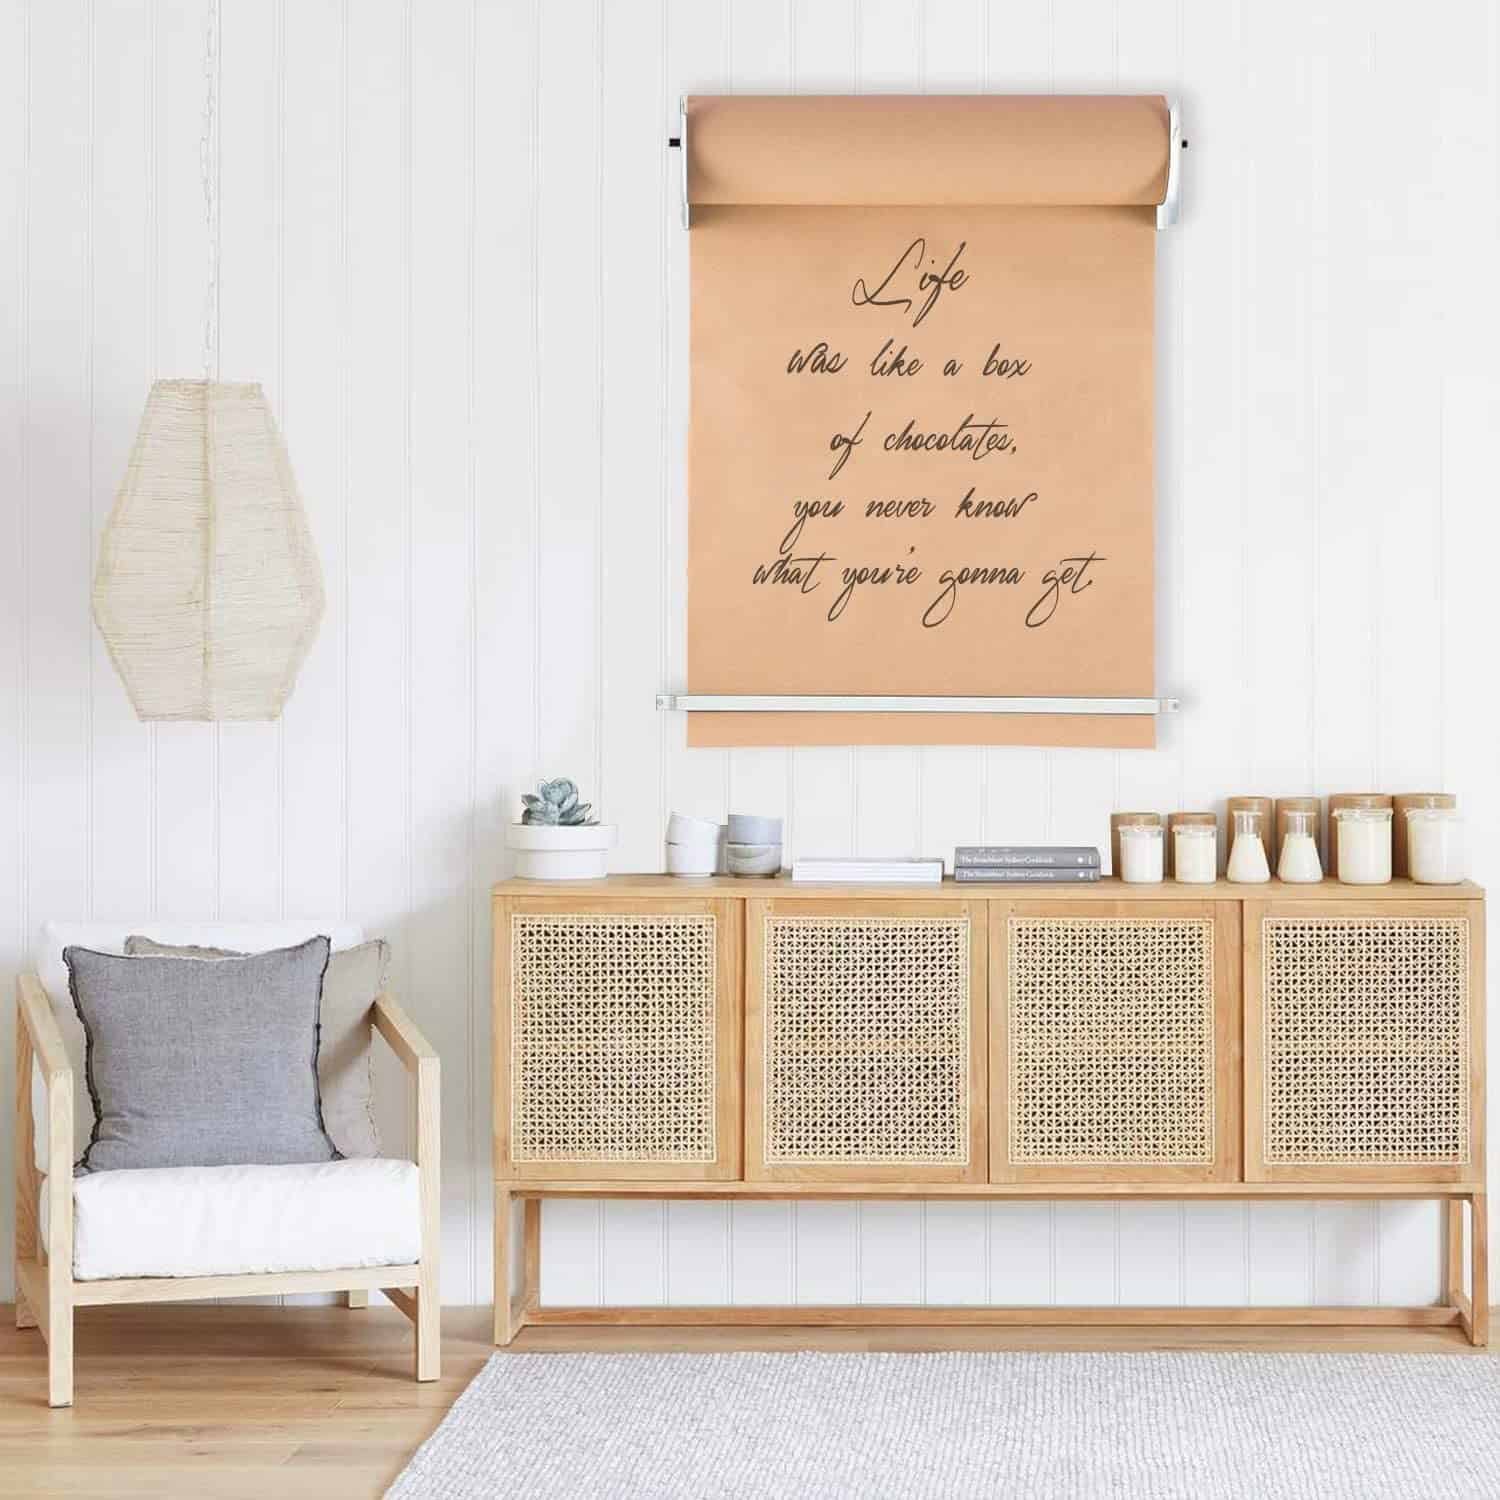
1434 845
1363 835
1141 853
1299 863
1247 852
1284 808
1195 853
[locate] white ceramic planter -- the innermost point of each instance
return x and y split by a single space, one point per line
546 852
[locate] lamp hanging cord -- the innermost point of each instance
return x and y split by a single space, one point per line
208 173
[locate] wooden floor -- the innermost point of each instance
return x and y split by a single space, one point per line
229 1402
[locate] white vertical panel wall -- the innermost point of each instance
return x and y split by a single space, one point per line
449 248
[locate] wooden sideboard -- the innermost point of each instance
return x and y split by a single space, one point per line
731 1039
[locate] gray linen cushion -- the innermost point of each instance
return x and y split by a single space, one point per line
202 1065
355 977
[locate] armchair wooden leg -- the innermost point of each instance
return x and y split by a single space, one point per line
60 1354
25 1317
360 1298
429 1330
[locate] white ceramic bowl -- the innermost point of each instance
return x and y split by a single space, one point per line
693 860
753 859
683 829
750 828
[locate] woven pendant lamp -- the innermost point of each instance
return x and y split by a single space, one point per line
208 591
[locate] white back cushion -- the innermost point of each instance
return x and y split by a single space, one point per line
109 937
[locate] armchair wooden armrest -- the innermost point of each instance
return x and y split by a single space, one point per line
425 1070
41 1026
44 1272
401 1032
39 1040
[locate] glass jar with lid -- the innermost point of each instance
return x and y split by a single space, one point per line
1435 845
1141 853
1363 837
1404 802
1195 848
1336 802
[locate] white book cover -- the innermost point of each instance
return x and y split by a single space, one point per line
867 871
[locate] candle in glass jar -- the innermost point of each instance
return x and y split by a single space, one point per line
1364 845
1195 853
1435 845
1247 853
1141 853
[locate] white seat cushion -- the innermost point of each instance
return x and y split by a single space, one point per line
228 1221
109 937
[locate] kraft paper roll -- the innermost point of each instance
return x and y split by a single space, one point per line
920 445
898 149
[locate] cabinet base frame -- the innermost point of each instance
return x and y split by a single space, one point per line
517 1309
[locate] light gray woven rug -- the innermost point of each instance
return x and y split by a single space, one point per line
949 1426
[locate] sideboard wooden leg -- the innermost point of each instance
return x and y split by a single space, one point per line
531 1257
1453 1250
1479 1270
505 1328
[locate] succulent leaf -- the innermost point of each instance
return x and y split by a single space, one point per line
555 804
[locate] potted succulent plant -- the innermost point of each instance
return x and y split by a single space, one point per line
556 838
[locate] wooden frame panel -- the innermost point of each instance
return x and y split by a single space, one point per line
1456 1308
898 1315
758 912
659 887
1257 1169
728 1038
1233 910
1225 1166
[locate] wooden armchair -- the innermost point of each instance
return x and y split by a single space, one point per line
47 1290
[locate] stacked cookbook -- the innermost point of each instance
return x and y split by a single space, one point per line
1026 864
868 871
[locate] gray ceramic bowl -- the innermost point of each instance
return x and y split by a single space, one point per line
753 859
750 828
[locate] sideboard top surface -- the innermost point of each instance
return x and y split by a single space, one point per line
782 887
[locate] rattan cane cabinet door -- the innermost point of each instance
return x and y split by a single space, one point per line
864 1041
1114 1041
1363 1041
617 1039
